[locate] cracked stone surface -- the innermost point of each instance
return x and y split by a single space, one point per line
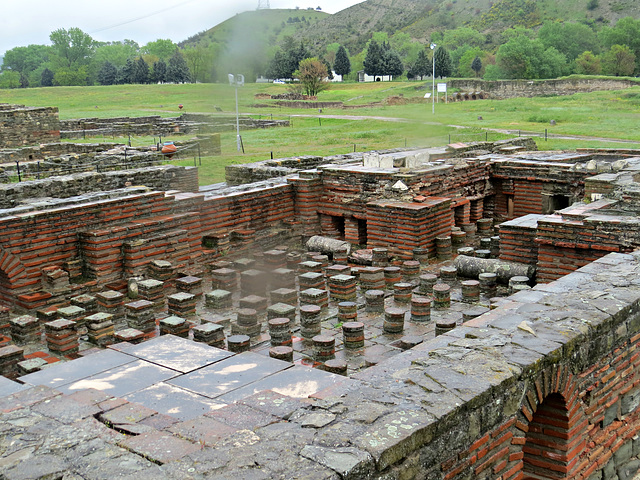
421 405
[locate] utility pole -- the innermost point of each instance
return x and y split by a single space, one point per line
238 81
263 5
433 83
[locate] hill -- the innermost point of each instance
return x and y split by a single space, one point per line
267 26
353 26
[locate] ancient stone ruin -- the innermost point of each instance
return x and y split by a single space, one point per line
470 311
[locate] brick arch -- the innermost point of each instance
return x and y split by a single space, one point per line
11 266
11 270
556 433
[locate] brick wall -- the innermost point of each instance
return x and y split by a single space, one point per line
518 240
401 227
116 238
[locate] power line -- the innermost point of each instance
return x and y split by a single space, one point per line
144 16
263 4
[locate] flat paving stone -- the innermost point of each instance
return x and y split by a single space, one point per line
159 447
122 380
27 397
177 353
65 409
9 387
174 401
229 374
274 403
296 382
127 414
74 370
243 417
203 430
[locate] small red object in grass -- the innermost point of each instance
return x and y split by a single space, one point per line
180 106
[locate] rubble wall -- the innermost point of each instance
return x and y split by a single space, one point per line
502 89
20 125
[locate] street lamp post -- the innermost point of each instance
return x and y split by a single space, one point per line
238 81
433 83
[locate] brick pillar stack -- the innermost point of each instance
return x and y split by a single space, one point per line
190 284
372 278
141 315
173 325
10 356
218 299
161 270
210 333
100 328
182 304
311 280
315 296
25 329
152 291
224 279
62 337
110 301
88 302
342 287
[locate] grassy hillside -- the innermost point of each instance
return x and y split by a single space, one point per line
353 26
267 26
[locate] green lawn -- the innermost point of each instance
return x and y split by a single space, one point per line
613 114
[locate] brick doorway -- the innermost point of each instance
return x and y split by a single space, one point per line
555 439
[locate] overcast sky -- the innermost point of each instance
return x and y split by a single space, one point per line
31 21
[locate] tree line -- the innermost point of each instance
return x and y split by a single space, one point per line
74 58
553 50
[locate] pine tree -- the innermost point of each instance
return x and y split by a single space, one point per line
46 78
422 67
177 70
126 74
373 59
108 74
159 74
476 65
392 64
443 63
141 71
342 65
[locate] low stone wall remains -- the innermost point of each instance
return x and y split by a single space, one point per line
20 125
503 89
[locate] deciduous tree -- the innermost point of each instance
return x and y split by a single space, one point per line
588 64
619 61
476 65
311 74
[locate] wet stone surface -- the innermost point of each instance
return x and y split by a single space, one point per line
193 411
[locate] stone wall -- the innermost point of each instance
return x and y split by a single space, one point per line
48 160
161 177
20 125
187 123
539 88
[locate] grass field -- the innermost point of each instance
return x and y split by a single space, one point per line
614 115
